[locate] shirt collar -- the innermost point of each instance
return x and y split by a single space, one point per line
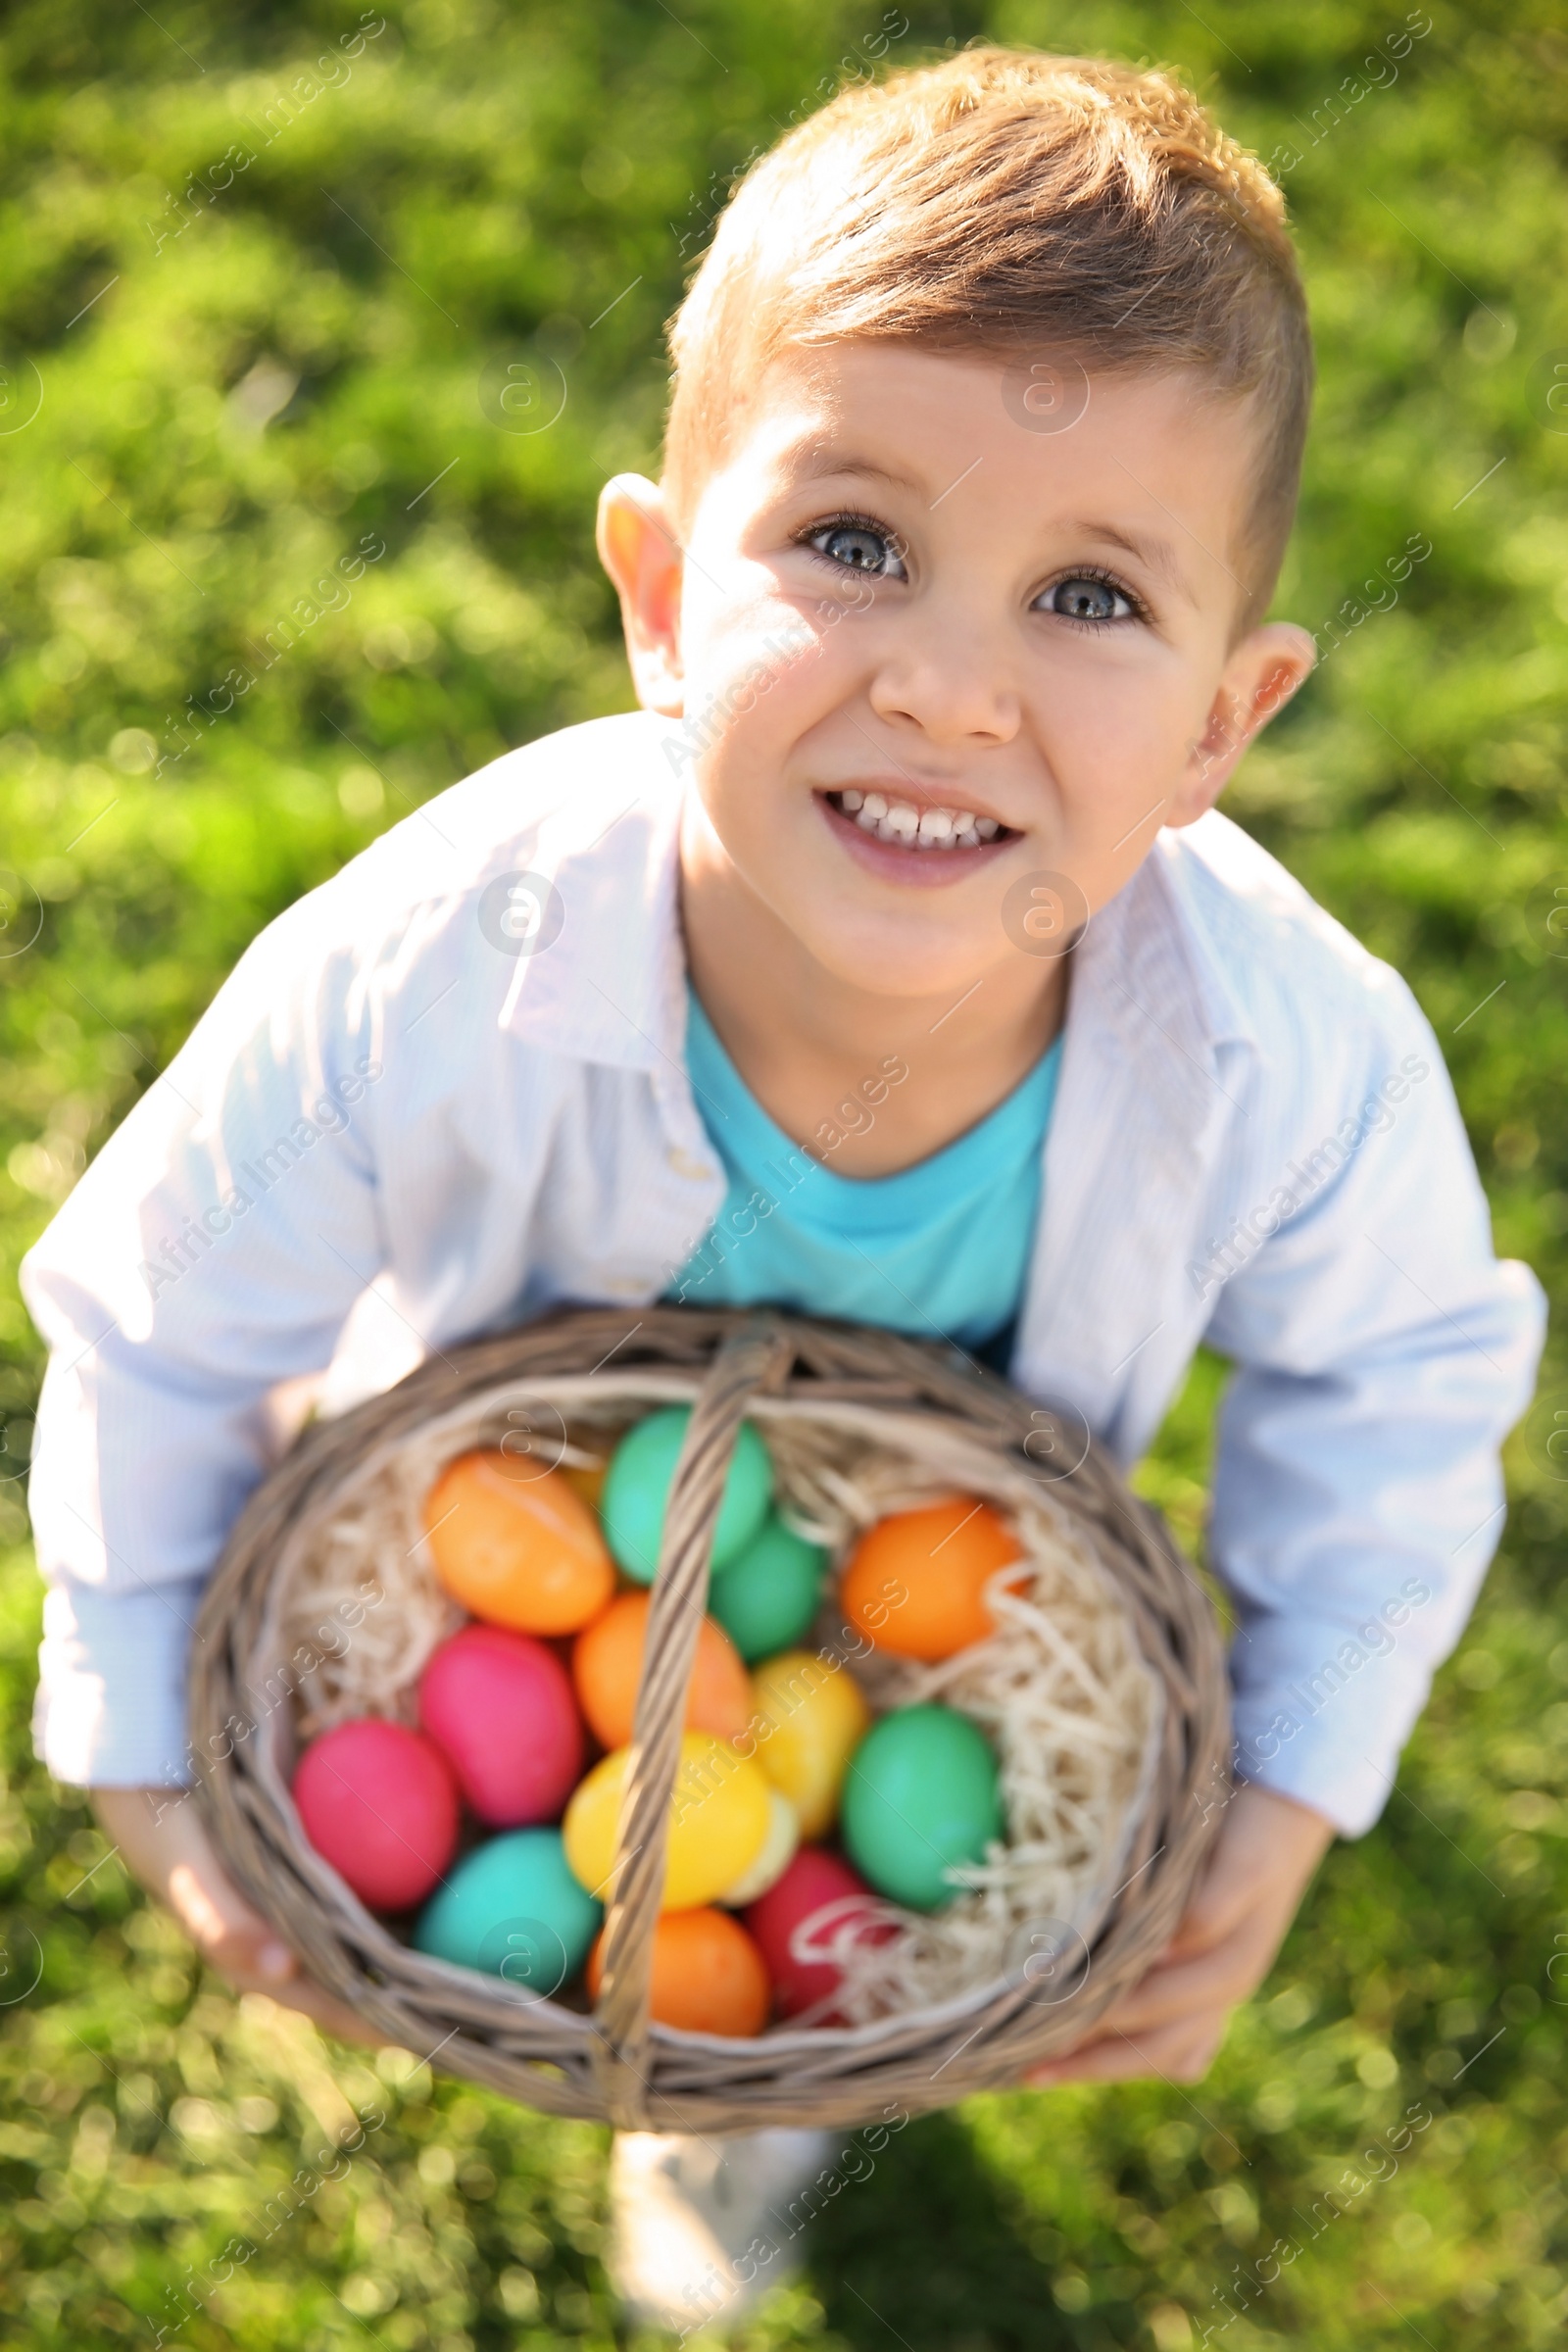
1153 964
611 987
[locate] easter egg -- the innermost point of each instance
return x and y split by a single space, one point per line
778 1850
380 1804
718 1821
766 1598
500 1707
818 1902
921 1793
637 1489
607 1659
914 1583
516 1547
708 1975
810 1717
514 1909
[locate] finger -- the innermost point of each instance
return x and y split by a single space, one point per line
326 2010
1224 1914
1096 2062
225 1928
1185 2053
304 1994
1219 1907
1216 1981
1180 2053
1228 1971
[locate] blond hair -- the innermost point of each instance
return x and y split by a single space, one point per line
1002 203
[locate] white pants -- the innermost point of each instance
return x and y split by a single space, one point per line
704 2227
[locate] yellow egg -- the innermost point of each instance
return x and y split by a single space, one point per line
720 1818
810 1717
778 1852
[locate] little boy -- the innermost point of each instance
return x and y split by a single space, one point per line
889 963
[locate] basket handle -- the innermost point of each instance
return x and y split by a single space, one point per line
757 1357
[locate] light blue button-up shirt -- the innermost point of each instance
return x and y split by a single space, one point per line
447 1088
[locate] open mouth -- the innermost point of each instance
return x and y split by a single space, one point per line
904 826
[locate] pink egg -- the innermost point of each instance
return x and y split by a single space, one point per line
380 1804
501 1708
823 1896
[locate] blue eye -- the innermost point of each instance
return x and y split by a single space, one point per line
860 546
1085 596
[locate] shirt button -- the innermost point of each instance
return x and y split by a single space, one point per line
685 1164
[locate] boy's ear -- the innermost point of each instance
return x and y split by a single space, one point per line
644 558
1262 673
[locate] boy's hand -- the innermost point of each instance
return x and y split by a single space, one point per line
1173 2023
162 1841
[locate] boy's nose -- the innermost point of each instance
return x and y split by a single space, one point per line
948 680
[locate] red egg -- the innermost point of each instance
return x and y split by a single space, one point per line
380 1804
817 1887
501 1708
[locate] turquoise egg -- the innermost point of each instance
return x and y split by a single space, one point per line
514 1909
637 1488
921 1793
767 1598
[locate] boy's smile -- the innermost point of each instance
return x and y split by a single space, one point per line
890 828
930 650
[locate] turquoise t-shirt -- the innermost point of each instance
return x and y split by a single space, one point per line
939 1251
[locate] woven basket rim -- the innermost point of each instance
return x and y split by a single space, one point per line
835 2074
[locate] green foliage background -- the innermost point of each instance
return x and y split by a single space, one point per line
240 383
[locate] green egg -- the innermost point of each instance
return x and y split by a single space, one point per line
921 1793
637 1487
767 1598
514 1909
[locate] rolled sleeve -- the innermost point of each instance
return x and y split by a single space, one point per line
213 1250
1382 1354
111 1671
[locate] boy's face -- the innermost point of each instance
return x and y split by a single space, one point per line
899 587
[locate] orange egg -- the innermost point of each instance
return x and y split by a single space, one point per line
915 1581
708 1976
517 1547
607 1659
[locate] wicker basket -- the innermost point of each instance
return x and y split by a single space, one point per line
614 2065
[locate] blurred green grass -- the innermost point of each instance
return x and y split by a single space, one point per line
237 383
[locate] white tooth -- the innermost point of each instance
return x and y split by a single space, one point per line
875 806
968 839
935 825
947 841
987 827
851 801
865 820
925 841
885 832
963 821
903 818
